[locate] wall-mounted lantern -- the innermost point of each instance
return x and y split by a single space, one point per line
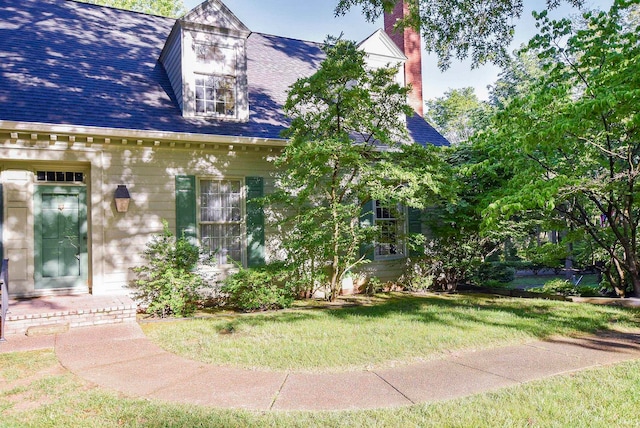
122 198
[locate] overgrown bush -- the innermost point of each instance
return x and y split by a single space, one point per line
548 255
261 288
416 275
565 288
167 284
495 271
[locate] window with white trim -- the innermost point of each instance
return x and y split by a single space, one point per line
221 220
390 223
215 80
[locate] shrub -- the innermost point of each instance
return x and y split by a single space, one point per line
416 276
566 288
261 288
495 271
167 284
548 255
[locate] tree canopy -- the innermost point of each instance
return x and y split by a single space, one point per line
457 29
169 8
458 114
571 141
344 152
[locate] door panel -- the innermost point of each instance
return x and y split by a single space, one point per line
60 234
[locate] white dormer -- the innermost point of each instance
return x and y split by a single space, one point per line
205 58
383 52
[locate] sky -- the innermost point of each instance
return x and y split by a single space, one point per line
314 20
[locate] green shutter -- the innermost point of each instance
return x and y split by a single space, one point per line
255 222
414 218
367 220
186 224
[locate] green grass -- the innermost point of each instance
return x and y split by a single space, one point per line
603 397
393 329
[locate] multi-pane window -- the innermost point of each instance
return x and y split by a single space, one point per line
391 226
215 95
215 80
221 220
60 176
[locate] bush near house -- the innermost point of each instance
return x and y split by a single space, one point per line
167 284
257 289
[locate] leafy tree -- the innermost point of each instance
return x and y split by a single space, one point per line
455 246
572 143
458 114
518 74
343 153
170 8
482 29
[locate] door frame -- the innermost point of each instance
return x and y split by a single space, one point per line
41 283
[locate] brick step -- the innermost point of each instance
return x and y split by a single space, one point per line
52 314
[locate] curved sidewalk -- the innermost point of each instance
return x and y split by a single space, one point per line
121 358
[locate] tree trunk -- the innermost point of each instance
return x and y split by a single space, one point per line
619 287
568 264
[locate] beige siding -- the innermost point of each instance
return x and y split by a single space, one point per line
18 229
116 240
149 174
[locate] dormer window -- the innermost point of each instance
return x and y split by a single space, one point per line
215 80
205 58
215 95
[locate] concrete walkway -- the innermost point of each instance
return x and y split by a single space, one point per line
121 358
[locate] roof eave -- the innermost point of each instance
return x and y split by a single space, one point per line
136 134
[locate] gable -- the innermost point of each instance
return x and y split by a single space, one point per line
213 13
380 45
383 52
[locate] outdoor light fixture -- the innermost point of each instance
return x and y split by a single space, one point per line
122 198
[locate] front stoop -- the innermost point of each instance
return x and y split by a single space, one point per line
52 314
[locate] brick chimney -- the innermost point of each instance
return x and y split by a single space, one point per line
408 40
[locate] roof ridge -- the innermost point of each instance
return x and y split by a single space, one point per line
86 3
288 38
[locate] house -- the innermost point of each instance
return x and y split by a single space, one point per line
176 118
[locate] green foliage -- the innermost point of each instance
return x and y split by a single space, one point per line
455 246
516 78
548 255
170 8
495 271
167 284
458 114
456 29
259 289
565 288
571 142
341 118
448 262
417 275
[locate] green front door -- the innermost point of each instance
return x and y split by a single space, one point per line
60 237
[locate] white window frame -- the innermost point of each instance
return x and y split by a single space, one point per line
242 222
401 227
207 70
215 100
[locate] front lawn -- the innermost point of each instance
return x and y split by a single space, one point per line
382 331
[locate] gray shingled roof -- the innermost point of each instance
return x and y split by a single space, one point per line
63 62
